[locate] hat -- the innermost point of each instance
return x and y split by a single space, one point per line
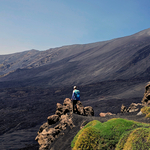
75 87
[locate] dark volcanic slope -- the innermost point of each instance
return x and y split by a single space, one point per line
121 58
108 74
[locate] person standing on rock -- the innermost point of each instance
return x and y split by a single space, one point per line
75 97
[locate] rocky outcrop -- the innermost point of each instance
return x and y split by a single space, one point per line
52 119
123 108
137 107
48 133
146 97
58 122
79 109
132 108
88 111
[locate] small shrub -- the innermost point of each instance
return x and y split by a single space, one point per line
92 123
146 110
138 139
122 140
88 139
105 136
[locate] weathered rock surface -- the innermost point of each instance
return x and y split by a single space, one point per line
88 110
58 122
52 119
106 114
146 97
123 108
137 107
132 108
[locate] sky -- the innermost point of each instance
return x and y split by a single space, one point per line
44 24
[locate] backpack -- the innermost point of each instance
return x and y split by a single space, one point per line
77 94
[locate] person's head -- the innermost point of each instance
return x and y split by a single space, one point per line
75 87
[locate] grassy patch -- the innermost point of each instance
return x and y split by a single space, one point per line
105 136
92 123
138 139
146 110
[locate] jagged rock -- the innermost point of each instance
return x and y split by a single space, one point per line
123 109
80 108
52 119
137 107
67 106
132 108
106 114
46 137
146 97
88 111
42 127
59 109
66 120
48 132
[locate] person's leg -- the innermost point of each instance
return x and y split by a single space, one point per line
74 105
73 108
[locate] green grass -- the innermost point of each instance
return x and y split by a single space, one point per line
109 135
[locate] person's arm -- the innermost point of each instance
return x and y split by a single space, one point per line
73 96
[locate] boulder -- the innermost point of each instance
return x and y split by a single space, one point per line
66 120
132 108
123 109
42 127
59 109
80 108
67 106
106 114
146 97
88 111
52 119
46 137
48 134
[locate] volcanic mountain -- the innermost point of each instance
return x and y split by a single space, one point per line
108 74
121 58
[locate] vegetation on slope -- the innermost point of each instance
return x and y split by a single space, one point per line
146 110
115 133
137 139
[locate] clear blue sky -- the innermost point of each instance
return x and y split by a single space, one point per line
44 24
